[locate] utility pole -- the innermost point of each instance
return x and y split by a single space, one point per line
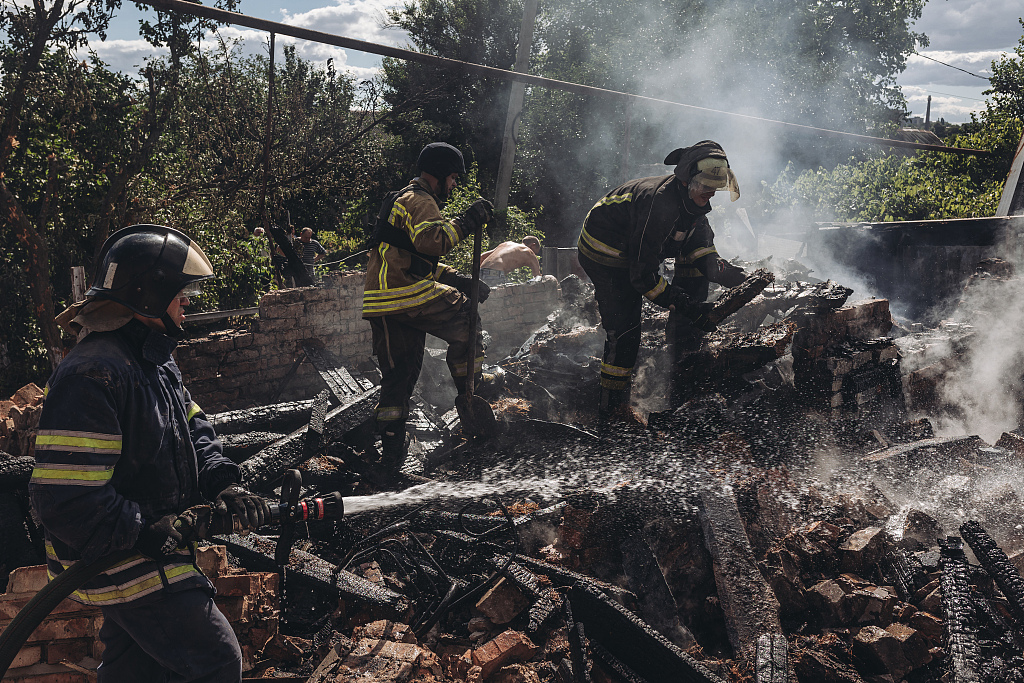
515 107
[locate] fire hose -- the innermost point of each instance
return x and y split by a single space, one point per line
199 522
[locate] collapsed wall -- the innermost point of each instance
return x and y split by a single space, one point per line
243 367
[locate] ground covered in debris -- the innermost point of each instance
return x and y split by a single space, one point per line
793 515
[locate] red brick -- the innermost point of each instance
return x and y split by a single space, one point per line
27 656
27 579
240 584
509 647
45 673
11 604
213 561
233 608
68 650
66 628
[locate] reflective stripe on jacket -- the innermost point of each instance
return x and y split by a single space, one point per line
121 442
391 286
641 223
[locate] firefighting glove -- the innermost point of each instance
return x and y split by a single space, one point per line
251 509
464 284
159 538
728 275
477 215
698 313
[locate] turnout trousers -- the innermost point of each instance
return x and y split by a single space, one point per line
180 637
621 307
398 343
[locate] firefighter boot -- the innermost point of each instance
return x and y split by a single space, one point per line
393 447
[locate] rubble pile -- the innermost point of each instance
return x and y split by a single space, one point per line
794 517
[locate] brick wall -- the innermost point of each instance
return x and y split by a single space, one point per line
235 369
65 648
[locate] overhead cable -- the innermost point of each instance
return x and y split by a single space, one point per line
970 73
227 17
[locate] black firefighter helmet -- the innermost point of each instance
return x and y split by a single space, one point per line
440 160
145 267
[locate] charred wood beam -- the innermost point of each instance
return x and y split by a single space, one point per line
904 571
566 578
340 382
313 442
633 642
772 662
747 600
263 469
926 451
612 663
517 574
15 471
239 447
1001 629
430 520
961 636
998 565
581 663
739 296
281 417
540 612
656 604
257 552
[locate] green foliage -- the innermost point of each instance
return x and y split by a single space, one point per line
514 224
929 185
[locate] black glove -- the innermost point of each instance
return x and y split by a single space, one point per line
477 215
698 315
728 275
465 285
251 509
158 538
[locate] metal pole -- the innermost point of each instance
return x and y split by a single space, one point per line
515 107
269 130
625 144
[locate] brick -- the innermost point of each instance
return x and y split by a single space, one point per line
213 561
239 584
503 602
234 608
46 673
27 656
66 628
12 603
509 647
68 650
27 579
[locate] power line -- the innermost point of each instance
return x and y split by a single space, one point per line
228 17
962 97
951 67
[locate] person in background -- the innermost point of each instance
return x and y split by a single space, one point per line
310 251
282 271
122 450
629 233
496 264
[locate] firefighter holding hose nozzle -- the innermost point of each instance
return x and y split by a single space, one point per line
626 236
122 450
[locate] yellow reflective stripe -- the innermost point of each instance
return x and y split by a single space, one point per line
193 410
46 390
613 199
87 442
382 276
389 413
381 301
698 253
145 584
459 369
615 370
408 290
658 289
599 246
445 224
82 475
615 383
400 218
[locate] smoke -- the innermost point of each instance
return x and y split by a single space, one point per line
986 388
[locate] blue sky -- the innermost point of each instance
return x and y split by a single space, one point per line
967 34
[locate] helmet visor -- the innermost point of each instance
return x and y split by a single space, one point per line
191 289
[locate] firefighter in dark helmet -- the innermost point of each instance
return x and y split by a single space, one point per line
122 449
409 293
629 233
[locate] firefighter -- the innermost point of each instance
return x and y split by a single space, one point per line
122 449
410 294
626 236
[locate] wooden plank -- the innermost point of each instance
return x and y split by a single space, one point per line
750 607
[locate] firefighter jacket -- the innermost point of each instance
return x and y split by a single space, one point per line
121 443
401 275
643 222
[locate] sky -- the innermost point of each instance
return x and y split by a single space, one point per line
967 34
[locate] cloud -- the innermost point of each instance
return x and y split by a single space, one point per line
971 25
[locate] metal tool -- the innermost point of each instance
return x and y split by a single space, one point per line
475 413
